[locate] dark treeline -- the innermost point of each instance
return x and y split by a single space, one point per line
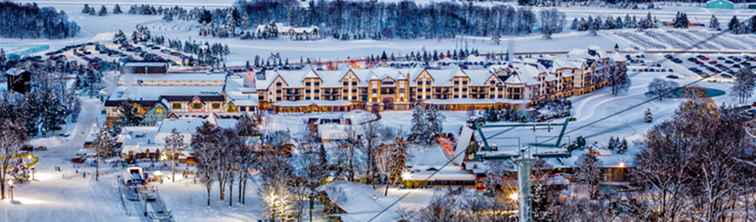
31 21
378 20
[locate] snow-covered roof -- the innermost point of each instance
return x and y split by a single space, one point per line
14 71
334 131
182 125
300 103
359 201
446 173
194 79
154 93
139 139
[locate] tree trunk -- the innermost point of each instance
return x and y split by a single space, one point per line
97 169
231 190
385 192
208 186
243 194
312 203
173 166
221 189
2 185
242 178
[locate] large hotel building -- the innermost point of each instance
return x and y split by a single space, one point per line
519 83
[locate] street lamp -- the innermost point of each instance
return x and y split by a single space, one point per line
10 183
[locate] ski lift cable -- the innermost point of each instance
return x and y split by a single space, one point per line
393 203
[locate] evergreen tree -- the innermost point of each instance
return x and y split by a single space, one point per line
648 116
714 23
86 9
622 147
680 20
103 11
117 9
31 21
435 122
420 126
734 24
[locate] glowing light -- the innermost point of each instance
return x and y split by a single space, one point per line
44 176
622 165
28 201
514 196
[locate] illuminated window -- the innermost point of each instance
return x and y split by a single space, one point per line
196 105
176 106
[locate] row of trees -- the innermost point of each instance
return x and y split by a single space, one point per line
223 158
31 21
379 20
102 12
597 23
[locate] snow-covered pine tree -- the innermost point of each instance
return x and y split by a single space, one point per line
103 11
418 132
648 116
588 172
117 9
104 148
399 158
622 146
168 17
435 122
86 9
612 144
714 23
734 24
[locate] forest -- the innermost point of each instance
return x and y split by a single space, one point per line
381 20
31 21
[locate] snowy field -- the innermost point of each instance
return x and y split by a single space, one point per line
243 50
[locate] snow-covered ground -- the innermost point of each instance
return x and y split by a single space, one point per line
243 50
65 196
69 197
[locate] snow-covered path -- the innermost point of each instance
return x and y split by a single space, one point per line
67 196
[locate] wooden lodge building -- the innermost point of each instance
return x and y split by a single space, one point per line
517 84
